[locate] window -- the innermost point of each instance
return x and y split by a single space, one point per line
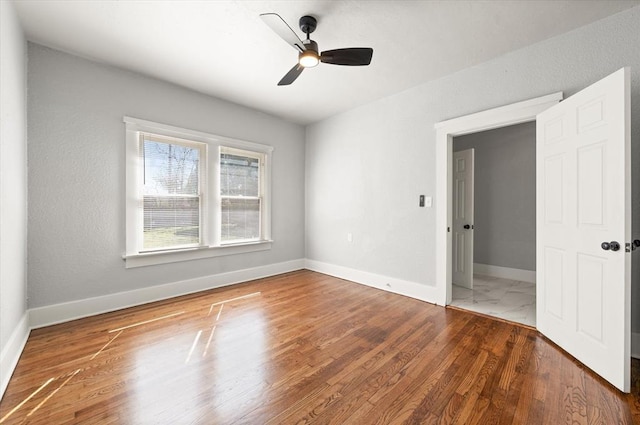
240 195
193 195
171 193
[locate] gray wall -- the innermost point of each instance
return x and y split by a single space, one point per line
505 195
366 167
76 175
13 184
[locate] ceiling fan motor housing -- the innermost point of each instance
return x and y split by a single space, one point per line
311 45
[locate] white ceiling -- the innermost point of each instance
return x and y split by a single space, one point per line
222 48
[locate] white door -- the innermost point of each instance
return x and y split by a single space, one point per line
462 256
583 207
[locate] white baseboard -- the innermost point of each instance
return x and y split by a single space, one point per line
505 272
48 315
12 351
428 293
64 312
390 284
635 345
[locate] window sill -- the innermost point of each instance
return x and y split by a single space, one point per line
164 257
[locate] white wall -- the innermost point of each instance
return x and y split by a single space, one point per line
366 167
13 192
76 176
504 211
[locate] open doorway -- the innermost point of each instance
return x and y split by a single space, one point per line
503 116
583 204
494 242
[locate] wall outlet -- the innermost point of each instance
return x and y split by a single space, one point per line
349 237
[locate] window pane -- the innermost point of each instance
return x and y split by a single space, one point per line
171 201
170 169
240 219
171 221
239 175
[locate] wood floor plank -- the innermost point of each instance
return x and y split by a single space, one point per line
305 348
376 388
408 399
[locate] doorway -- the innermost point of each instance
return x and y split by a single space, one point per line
584 277
516 113
494 243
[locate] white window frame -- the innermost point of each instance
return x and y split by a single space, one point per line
210 186
261 190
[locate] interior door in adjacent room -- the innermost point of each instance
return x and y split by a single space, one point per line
462 255
583 226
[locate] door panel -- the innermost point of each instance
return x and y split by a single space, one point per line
591 171
583 184
591 272
553 189
554 272
462 255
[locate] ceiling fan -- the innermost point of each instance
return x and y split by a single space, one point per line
308 55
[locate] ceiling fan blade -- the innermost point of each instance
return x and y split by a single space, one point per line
355 56
291 75
280 27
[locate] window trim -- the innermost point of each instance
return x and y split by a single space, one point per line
210 244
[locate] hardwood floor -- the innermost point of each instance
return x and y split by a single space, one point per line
303 348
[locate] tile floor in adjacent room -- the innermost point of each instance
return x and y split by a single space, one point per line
503 298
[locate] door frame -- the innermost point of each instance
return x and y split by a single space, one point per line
490 119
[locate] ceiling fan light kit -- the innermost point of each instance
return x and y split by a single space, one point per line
308 56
